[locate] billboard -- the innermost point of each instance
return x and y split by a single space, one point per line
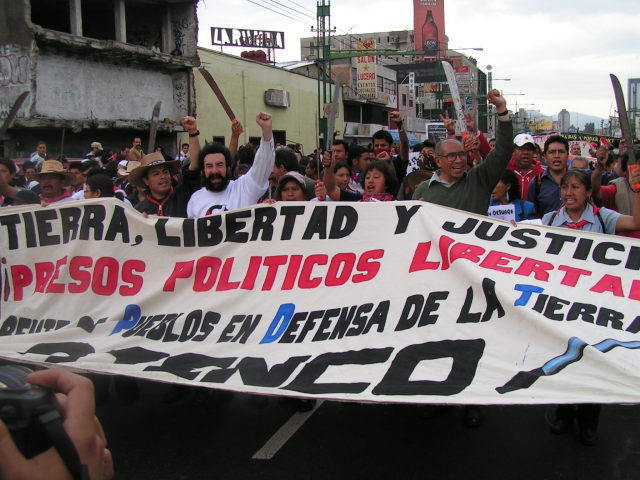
428 27
366 70
239 37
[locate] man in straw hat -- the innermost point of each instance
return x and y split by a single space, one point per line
155 174
219 192
53 178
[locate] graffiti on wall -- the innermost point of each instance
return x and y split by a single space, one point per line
180 28
180 94
14 76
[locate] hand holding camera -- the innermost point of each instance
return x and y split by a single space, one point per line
43 436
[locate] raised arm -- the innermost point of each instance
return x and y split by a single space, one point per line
596 175
191 126
236 130
404 139
329 179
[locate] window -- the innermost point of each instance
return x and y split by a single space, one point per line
51 15
98 20
404 99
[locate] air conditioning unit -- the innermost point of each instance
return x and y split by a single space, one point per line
277 98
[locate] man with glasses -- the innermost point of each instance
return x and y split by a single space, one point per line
452 185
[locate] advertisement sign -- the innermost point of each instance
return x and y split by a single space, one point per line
366 70
428 27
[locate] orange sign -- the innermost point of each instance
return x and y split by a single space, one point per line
428 27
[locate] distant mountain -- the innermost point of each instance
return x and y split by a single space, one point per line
581 118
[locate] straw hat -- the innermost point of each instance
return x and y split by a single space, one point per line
125 168
53 166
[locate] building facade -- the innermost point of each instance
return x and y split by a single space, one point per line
422 92
251 87
94 71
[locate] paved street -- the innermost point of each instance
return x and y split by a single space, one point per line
222 438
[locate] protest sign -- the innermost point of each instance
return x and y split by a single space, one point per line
389 302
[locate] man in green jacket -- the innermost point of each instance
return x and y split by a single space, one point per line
452 186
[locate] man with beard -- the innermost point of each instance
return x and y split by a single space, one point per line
220 193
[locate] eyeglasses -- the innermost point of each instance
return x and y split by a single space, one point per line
451 157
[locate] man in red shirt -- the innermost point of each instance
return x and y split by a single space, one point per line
523 163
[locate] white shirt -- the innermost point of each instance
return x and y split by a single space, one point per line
239 193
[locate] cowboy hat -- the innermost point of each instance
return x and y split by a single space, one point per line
148 161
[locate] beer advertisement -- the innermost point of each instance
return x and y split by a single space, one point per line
428 26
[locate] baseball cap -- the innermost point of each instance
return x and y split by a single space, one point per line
522 139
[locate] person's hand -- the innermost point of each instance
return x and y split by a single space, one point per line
326 159
495 98
76 401
189 124
268 201
395 117
320 190
449 123
470 123
602 154
236 128
264 120
383 156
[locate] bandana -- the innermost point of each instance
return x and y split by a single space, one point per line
49 201
162 203
578 225
377 197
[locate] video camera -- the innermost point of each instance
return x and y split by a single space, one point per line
31 415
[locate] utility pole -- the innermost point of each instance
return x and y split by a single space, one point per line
323 62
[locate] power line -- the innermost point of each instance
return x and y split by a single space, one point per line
279 13
291 9
301 6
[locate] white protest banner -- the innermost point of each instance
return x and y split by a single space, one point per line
386 302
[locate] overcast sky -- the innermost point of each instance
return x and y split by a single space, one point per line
558 53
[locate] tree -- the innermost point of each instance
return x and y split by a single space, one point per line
589 127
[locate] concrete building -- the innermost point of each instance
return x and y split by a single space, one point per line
91 72
564 120
250 87
362 116
430 93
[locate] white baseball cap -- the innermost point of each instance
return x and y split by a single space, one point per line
522 139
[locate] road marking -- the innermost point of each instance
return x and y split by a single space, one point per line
284 433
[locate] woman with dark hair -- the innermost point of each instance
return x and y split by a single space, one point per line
378 181
579 213
507 192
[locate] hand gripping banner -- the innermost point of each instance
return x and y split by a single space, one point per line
379 302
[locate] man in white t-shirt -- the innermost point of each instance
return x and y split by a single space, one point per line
220 193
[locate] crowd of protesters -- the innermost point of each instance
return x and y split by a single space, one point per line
466 171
